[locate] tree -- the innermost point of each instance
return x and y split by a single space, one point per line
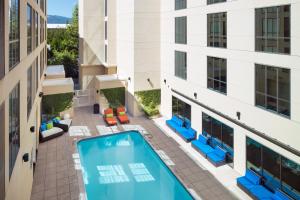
64 45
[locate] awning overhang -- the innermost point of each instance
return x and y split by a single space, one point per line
58 86
110 81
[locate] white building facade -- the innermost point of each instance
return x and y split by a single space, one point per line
232 68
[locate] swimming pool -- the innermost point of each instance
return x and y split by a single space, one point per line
124 166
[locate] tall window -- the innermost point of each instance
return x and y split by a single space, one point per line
222 135
105 8
2 52
215 1
180 30
217 74
272 89
42 5
29 90
14 33
278 171
36 29
217 30
2 151
272 27
180 65
14 127
42 29
105 53
29 29
180 4
36 74
181 108
105 30
42 63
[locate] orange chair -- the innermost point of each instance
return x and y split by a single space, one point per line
121 115
109 117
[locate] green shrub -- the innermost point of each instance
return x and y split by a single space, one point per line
150 101
54 104
115 96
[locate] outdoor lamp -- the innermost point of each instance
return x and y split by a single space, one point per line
238 114
195 95
165 81
32 129
26 157
41 94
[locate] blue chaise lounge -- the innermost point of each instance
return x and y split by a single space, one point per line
217 157
182 128
201 145
251 183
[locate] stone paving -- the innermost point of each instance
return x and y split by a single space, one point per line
56 176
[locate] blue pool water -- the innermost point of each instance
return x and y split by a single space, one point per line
125 167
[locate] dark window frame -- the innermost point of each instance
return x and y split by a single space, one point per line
14 127
30 28
209 2
2 151
181 32
212 78
180 4
14 59
277 98
259 155
181 113
264 38
177 67
2 40
217 37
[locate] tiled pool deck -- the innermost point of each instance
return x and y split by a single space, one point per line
56 176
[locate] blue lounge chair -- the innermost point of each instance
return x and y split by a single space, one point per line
175 123
261 193
201 145
217 157
280 195
187 134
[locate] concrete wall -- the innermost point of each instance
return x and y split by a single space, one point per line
241 58
18 186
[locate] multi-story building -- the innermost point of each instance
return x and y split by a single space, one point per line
22 61
232 68
122 38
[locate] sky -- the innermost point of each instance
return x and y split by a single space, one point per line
61 7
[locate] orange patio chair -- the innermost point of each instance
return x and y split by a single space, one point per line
109 117
121 115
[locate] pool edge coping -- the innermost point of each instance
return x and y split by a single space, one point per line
82 188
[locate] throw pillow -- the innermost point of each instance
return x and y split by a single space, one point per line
109 115
121 113
49 125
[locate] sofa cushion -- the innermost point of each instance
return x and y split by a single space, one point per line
253 177
177 120
43 127
220 152
49 125
279 195
67 122
172 124
204 148
187 123
50 132
185 133
245 183
260 192
202 139
215 158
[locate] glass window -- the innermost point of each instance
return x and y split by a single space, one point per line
180 65
42 5
105 8
29 29
29 90
180 30
222 135
278 172
36 74
105 30
217 30
105 53
272 27
290 175
14 33
2 151
42 63
273 88
217 74
42 29
36 29
215 1
2 51
181 108
14 127
180 4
